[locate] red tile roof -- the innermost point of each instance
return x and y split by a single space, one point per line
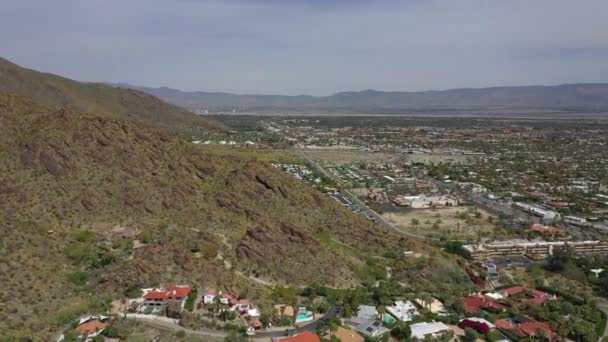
306 336
90 327
525 327
156 295
210 292
538 297
169 292
472 304
244 301
179 291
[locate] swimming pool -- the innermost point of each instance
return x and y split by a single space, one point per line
304 317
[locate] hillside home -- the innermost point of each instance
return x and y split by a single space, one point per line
246 308
475 303
366 322
160 298
403 311
525 327
528 295
91 326
209 295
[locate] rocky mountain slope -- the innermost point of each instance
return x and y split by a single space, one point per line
67 178
97 98
566 97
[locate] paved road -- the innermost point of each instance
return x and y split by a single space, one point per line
379 219
169 324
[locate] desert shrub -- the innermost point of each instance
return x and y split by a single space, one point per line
78 278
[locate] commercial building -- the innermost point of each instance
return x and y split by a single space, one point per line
532 249
425 202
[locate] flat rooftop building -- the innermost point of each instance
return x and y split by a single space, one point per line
532 249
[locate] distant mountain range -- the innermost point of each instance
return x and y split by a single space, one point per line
566 97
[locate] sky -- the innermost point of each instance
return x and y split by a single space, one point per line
316 47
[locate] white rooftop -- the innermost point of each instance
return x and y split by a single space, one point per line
403 311
420 330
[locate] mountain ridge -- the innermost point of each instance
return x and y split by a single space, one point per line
563 97
98 98
67 178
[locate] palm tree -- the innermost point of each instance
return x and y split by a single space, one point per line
217 303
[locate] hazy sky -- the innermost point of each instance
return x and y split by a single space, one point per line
310 46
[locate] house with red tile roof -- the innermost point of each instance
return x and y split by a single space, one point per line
529 295
475 303
159 298
306 336
91 328
524 326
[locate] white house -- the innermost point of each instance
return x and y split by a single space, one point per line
432 329
403 311
209 295
246 308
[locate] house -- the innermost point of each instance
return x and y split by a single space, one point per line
371 329
209 295
367 312
91 326
431 329
529 296
366 322
228 299
524 327
403 311
246 308
306 336
347 335
481 325
159 298
473 304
